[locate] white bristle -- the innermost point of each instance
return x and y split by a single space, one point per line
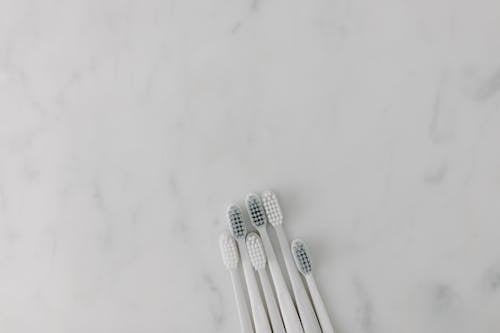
256 251
229 251
272 207
236 223
302 256
256 210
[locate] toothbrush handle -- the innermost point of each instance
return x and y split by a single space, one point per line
324 319
289 313
260 320
306 310
272 307
245 322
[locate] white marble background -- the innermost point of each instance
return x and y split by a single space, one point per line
127 126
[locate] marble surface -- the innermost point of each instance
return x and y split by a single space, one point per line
127 126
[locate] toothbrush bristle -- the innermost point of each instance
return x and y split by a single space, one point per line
229 251
256 210
236 223
256 251
272 208
302 256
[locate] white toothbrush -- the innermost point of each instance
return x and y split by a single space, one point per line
306 310
259 221
239 231
258 260
230 258
302 257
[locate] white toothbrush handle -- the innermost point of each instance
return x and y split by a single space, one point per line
261 323
306 310
324 319
239 294
289 313
272 307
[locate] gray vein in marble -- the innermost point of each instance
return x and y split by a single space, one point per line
8 232
3 199
31 172
437 176
217 310
489 87
25 141
389 173
98 197
180 227
486 120
73 80
180 224
24 81
452 23
443 297
436 110
364 308
135 216
106 235
172 7
492 279
174 187
149 82
255 4
236 27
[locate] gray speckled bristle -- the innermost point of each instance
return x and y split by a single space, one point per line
236 223
256 210
302 256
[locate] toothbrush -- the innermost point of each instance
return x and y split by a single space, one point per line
259 221
258 260
302 257
230 258
306 310
239 231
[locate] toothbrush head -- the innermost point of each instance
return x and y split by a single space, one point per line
302 256
236 223
272 207
256 251
229 251
256 210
